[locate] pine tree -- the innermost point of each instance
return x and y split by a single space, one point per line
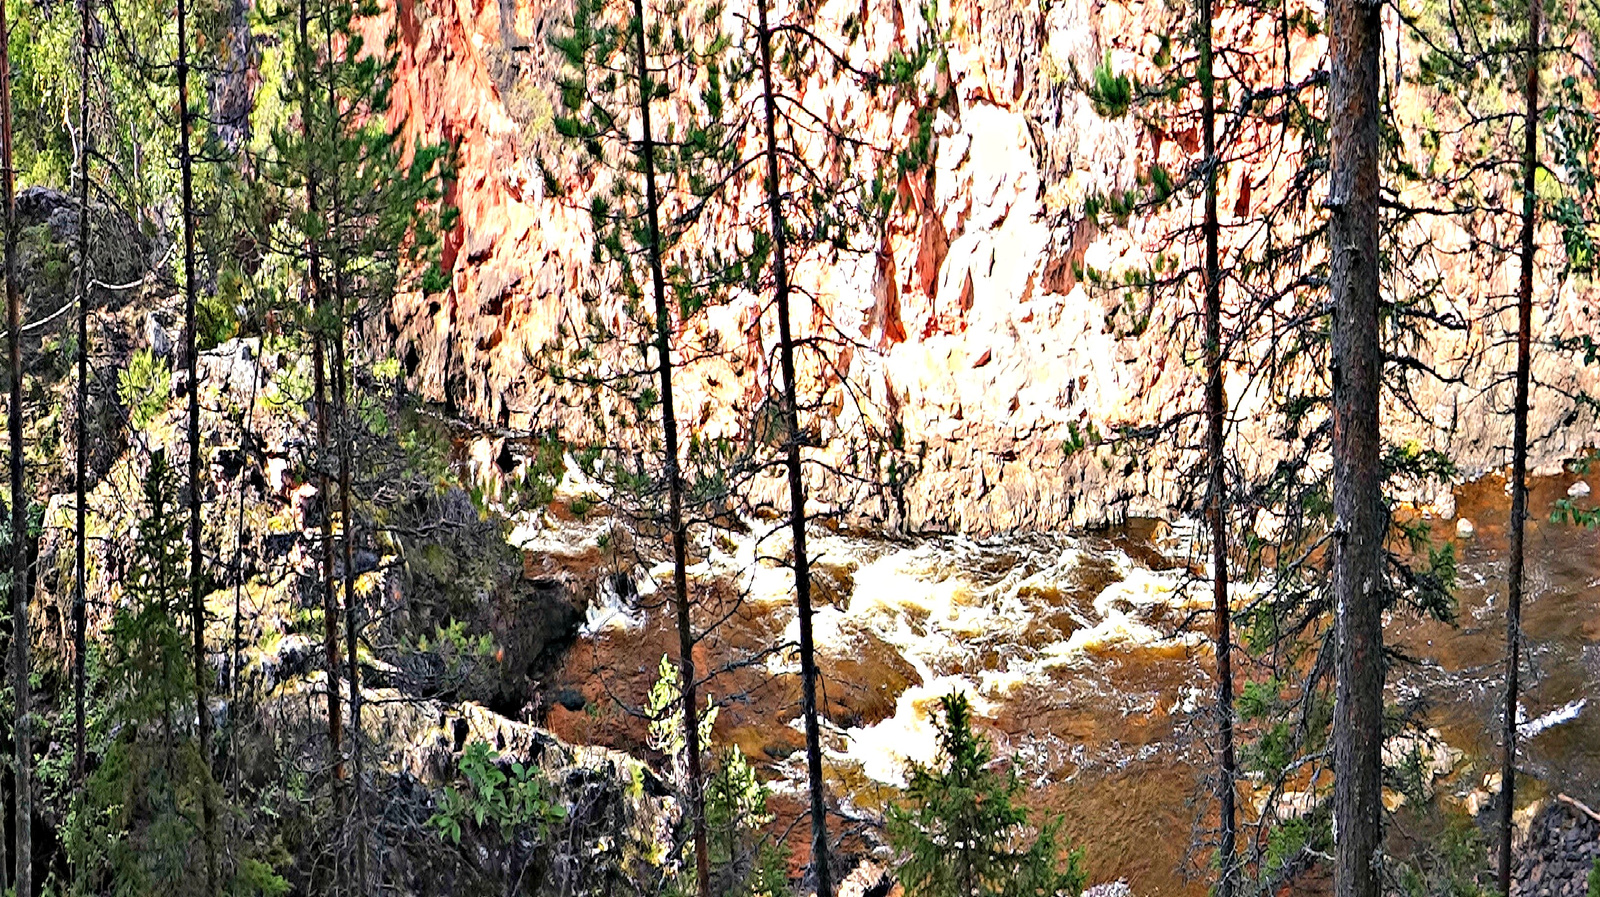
1216 462
1273 336
1519 443
961 831
81 445
695 164
20 568
1470 52
197 605
366 221
625 65
383 217
807 213
309 155
135 832
792 438
644 90
1244 278
1359 581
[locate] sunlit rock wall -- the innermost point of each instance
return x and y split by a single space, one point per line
976 329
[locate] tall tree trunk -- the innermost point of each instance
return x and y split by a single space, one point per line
330 608
319 363
669 426
1519 443
1358 571
22 741
1216 420
79 598
197 598
235 639
341 413
351 629
797 489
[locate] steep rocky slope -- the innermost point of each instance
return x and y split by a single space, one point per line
437 582
976 328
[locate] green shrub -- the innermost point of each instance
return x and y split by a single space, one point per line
144 387
515 802
217 321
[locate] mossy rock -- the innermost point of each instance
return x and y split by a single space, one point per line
47 252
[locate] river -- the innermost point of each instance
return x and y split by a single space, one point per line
1086 659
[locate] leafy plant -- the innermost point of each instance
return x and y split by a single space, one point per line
453 659
664 706
582 505
745 860
510 799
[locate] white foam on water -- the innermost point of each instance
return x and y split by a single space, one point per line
536 532
1564 714
942 605
965 615
883 750
829 634
613 608
1122 609
756 562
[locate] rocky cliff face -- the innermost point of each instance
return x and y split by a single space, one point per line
432 608
976 328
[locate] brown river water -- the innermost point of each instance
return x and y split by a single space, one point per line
1085 657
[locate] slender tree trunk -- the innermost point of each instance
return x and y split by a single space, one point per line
341 412
8 782
669 426
1358 574
79 598
797 489
1519 443
22 741
319 363
236 639
1216 420
330 608
351 630
197 598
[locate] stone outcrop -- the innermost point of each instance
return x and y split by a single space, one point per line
1558 854
121 256
978 327
616 815
457 639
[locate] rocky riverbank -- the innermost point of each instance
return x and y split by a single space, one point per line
1559 853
